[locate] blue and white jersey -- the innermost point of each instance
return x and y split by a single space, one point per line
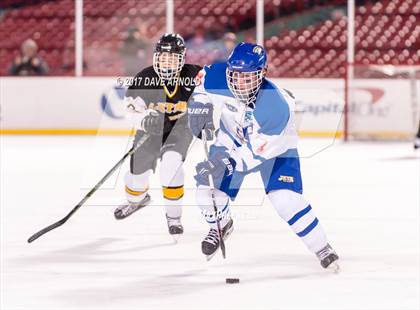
254 134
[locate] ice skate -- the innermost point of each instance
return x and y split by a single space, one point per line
130 207
328 258
211 242
175 227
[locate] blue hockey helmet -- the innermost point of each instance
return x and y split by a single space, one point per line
246 67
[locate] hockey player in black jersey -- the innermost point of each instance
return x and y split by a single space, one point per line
157 104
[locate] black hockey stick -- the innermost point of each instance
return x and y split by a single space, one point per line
213 198
91 192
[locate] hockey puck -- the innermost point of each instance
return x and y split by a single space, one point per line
232 280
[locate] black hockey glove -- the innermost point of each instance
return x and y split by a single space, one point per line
153 123
200 117
219 165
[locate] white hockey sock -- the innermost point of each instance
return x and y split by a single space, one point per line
136 185
172 180
206 204
294 209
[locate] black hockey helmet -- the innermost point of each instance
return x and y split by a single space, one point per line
169 56
170 42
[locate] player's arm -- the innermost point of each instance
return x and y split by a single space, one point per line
200 109
210 86
138 113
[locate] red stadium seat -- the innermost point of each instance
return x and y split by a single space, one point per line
390 38
386 32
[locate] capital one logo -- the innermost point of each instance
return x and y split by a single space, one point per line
366 101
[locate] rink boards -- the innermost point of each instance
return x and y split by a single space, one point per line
94 105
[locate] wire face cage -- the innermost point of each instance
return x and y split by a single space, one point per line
244 85
168 65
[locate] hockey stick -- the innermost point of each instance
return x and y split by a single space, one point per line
91 192
213 198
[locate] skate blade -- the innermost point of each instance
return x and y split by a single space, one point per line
176 238
209 257
334 267
145 202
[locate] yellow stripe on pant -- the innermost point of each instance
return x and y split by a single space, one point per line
133 192
173 192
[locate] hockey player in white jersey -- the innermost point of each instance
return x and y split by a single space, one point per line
257 134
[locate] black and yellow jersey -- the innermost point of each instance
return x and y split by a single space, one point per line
169 98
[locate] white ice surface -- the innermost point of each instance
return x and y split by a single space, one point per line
365 195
